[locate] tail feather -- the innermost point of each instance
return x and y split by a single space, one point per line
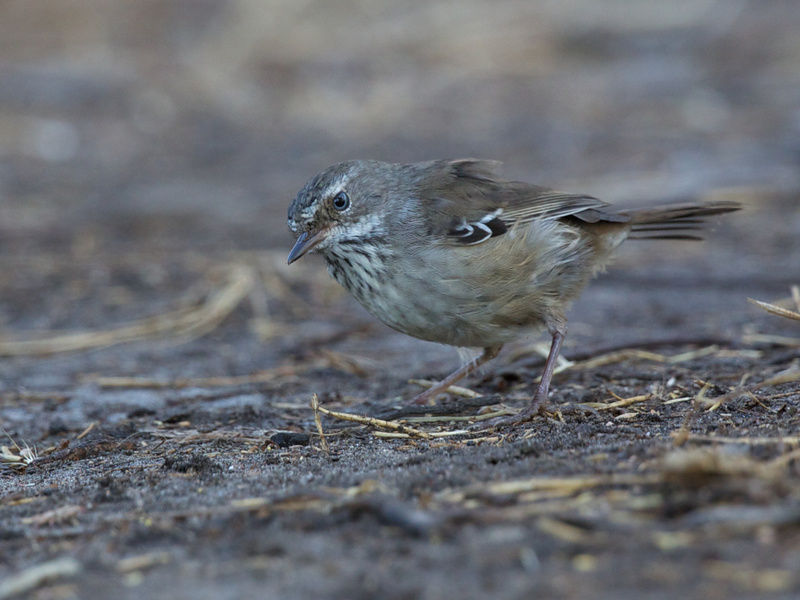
674 221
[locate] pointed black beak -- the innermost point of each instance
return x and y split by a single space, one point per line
305 243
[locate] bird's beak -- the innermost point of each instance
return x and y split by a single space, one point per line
305 243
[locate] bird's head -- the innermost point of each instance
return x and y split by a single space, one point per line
343 202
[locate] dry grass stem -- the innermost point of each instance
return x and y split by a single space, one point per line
677 400
693 354
782 395
777 340
86 431
143 561
618 356
620 403
16 455
627 416
318 423
391 435
435 434
373 422
776 310
788 376
627 354
472 419
558 485
184 323
503 412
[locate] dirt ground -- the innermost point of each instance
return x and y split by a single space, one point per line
158 358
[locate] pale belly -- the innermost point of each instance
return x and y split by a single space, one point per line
476 296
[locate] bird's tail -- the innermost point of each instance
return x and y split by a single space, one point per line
674 221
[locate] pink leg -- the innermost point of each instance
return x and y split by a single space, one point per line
527 413
488 354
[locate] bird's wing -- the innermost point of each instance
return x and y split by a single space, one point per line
469 205
525 202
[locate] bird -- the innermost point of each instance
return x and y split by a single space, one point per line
447 251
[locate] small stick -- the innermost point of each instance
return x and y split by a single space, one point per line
86 431
374 422
778 340
318 422
619 403
436 434
775 310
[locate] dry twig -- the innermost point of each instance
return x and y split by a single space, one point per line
775 310
318 423
373 422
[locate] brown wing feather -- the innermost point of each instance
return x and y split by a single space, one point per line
526 202
468 189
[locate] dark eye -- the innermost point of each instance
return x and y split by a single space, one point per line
341 201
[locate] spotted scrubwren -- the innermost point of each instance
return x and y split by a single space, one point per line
448 252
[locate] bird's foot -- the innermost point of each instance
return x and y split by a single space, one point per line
530 412
537 407
540 408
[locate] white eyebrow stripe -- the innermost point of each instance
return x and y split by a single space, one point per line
334 188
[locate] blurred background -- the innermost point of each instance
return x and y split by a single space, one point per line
192 123
149 150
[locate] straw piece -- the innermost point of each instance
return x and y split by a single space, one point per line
776 310
318 423
184 323
373 422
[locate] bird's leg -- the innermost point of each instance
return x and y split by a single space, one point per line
530 411
487 355
549 368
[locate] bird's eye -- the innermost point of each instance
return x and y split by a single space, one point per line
341 201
